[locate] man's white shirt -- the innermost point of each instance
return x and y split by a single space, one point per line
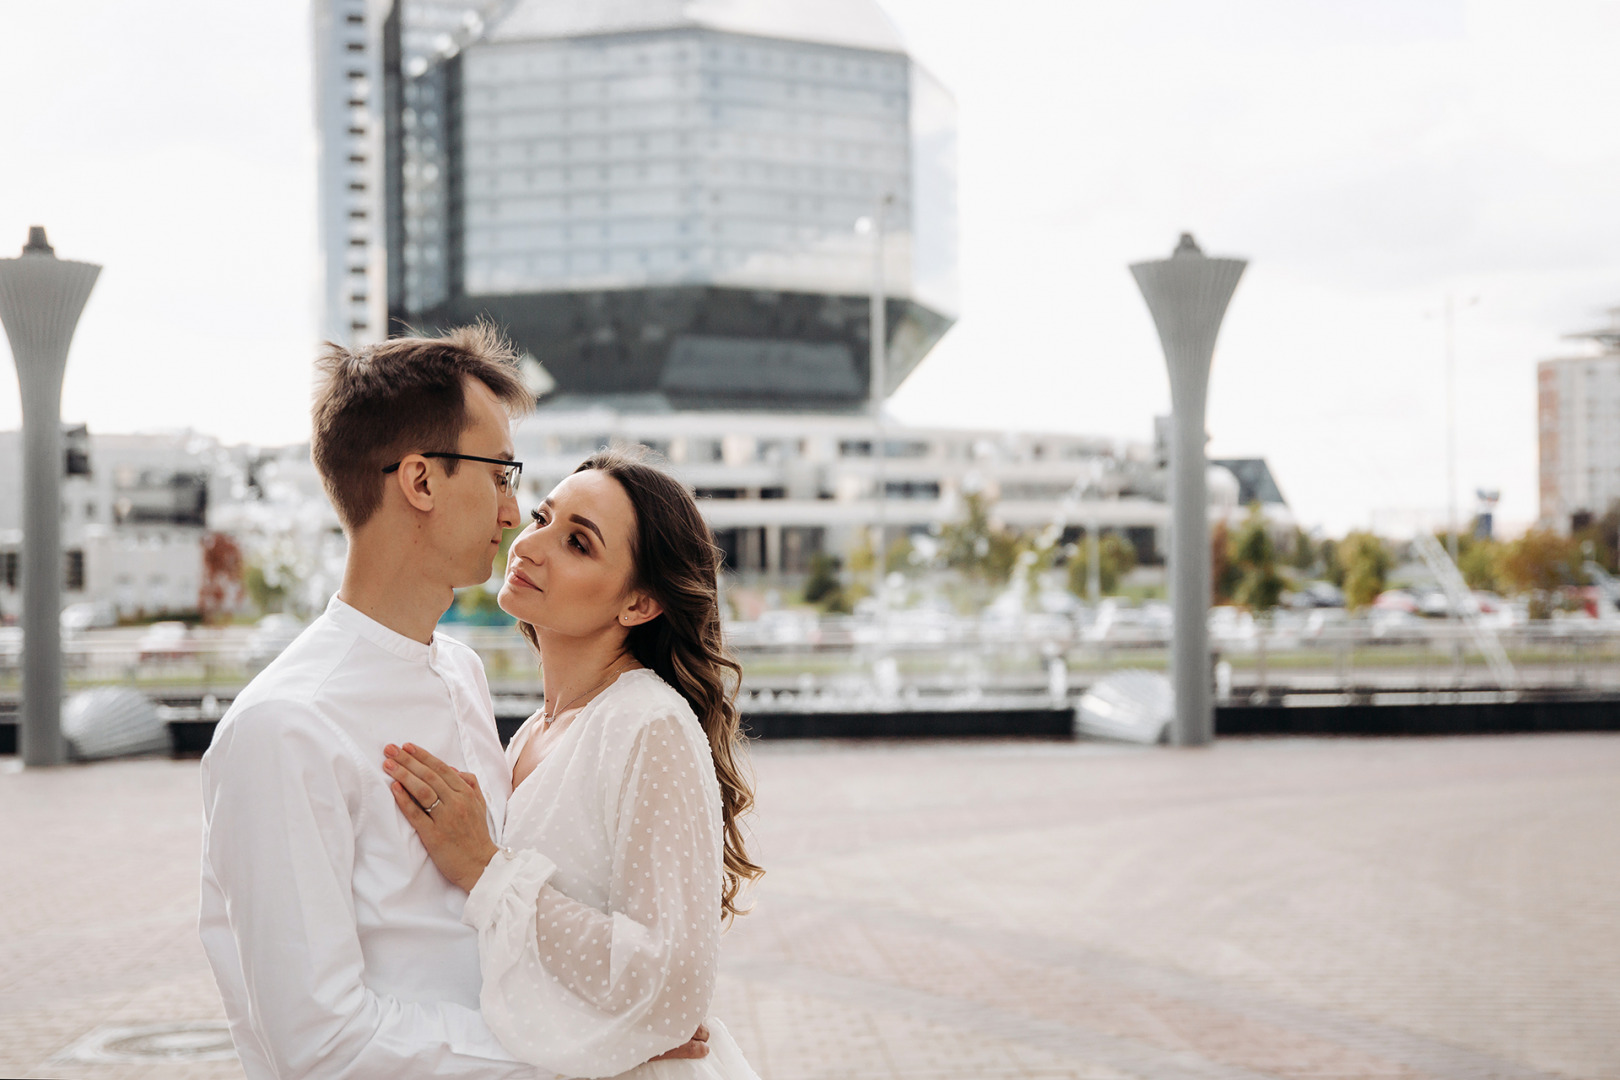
338 946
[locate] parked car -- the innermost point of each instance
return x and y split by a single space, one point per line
88 615
167 641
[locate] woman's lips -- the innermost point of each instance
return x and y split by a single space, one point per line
517 577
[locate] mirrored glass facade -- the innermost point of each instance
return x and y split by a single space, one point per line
672 211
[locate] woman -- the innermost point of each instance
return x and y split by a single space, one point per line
598 924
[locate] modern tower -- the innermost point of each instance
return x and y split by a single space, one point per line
351 40
41 299
1187 295
656 199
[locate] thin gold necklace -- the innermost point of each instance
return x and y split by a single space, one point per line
546 719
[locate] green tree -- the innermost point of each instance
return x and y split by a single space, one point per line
1223 573
1302 551
823 580
1539 563
1115 558
1364 562
978 547
1254 556
899 557
1328 552
1478 560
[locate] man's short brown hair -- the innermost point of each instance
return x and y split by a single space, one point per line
403 396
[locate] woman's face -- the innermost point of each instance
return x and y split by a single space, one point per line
569 571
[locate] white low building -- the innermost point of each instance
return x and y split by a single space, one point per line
776 488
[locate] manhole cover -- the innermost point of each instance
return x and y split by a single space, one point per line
207 1040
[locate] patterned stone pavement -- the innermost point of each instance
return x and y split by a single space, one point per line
1288 909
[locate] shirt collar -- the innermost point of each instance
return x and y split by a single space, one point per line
352 619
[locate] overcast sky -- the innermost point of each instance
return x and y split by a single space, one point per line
1367 156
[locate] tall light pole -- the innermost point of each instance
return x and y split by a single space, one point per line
41 299
877 361
1187 295
1451 422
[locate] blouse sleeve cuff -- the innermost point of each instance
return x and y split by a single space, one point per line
517 876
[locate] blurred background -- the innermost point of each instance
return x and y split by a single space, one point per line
677 211
860 271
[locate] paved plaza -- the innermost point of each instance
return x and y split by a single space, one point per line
1295 909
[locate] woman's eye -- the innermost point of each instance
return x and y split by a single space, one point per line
538 516
573 538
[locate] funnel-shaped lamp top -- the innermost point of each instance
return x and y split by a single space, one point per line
1187 295
37 244
41 298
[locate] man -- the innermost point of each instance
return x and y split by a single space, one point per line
338 947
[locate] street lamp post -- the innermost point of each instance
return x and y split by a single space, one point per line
878 376
41 299
1187 295
1452 525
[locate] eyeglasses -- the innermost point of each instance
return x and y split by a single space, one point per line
508 483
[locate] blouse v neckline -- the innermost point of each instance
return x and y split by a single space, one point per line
526 734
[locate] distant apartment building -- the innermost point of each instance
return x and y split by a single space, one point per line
134 511
356 64
1578 429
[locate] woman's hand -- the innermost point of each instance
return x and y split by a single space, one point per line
446 809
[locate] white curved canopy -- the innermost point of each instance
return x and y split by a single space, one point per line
859 24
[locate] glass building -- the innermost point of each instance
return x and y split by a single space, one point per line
657 199
350 94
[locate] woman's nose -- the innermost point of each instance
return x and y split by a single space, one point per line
527 546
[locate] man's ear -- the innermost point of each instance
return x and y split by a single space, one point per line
642 608
415 480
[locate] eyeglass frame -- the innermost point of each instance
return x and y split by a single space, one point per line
514 469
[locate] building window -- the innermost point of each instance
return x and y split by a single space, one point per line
912 489
357 46
73 578
10 560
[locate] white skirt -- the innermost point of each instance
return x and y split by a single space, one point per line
724 1061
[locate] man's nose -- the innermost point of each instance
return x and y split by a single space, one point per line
511 516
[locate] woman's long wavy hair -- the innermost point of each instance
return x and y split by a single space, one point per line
676 561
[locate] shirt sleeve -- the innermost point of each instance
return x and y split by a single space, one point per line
593 993
282 806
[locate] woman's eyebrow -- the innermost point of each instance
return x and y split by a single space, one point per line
589 524
585 521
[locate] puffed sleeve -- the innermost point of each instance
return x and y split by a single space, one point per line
593 993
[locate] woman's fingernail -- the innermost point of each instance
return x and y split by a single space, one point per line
390 750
